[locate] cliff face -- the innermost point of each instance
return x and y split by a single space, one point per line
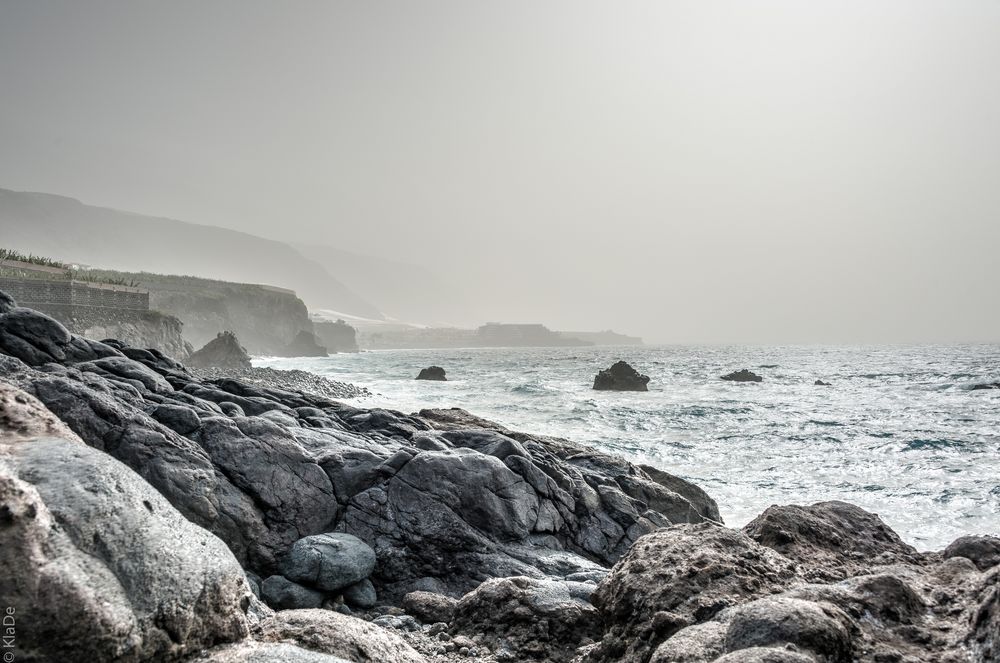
266 319
152 330
336 336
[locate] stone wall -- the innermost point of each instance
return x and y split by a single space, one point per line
79 304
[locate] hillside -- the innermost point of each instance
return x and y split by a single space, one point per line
68 230
403 291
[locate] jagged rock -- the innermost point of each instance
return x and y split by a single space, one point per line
99 566
332 633
984 632
765 655
831 540
432 373
265 652
820 383
742 375
304 344
361 595
984 551
282 594
536 619
621 377
679 576
693 644
329 561
986 385
223 351
429 607
822 629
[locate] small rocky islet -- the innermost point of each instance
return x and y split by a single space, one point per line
147 511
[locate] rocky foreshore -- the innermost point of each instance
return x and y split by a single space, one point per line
146 510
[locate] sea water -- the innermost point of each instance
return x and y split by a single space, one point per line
899 431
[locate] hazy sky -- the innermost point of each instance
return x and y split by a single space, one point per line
687 171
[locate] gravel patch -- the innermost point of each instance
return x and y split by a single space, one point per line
289 380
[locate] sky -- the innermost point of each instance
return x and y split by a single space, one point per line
765 172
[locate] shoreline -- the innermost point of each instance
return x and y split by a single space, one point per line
378 535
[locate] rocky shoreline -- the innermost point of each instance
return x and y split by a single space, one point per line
146 509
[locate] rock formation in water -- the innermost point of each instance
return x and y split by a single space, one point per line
620 377
986 385
143 510
223 351
336 336
742 375
820 383
432 373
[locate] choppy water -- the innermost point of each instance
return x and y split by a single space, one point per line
898 433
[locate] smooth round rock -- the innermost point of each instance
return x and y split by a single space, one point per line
329 562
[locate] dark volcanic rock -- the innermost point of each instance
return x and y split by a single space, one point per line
329 561
986 385
742 375
822 629
536 619
223 351
432 373
282 594
820 383
831 540
304 344
984 551
679 576
429 607
620 377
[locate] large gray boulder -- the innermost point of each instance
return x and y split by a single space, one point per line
102 567
223 351
282 594
338 635
679 576
329 561
832 540
535 619
819 628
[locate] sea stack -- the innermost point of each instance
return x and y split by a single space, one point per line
742 375
223 351
432 373
621 377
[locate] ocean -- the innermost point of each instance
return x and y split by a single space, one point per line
899 431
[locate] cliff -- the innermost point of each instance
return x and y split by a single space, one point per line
266 319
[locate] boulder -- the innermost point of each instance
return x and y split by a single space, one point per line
329 561
223 351
765 655
536 619
429 607
986 385
432 373
361 595
693 644
820 383
984 551
831 540
819 628
282 594
251 651
99 566
620 377
339 635
678 576
742 375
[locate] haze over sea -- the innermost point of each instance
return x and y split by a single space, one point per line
899 432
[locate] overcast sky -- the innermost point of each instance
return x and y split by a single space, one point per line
687 171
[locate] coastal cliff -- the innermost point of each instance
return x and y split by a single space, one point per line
147 511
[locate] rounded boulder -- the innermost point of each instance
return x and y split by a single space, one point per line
329 562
